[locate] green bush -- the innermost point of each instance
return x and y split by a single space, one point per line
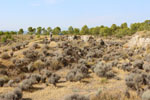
8 36
38 36
4 39
105 31
84 30
122 32
1 33
56 30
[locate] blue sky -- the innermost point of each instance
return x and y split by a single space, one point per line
17 14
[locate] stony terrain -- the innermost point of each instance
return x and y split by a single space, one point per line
74 68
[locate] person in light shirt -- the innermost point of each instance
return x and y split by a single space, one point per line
51 34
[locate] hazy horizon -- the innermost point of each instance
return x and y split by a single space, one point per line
18 14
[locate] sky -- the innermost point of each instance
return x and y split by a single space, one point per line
16 14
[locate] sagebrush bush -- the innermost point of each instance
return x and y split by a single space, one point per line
26 84
37 77
43 79
13 48
21 62
76 97
46 47
17 79
104 70
39 65
16 94
30 67
55 64
10 96
134 80
53 79
3 72
18 46
5 56
35 46
146 67
10 83
31 54
138 64
115 95
4 39
126 66
46 73
2 82
11 54
77 74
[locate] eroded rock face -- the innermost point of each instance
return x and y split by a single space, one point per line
85 38
146 95
139 41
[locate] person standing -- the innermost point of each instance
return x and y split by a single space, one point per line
51 34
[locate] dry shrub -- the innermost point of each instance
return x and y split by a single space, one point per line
115 95
5 56
104 70
76 97
3 80
16 94
54 79
55 64
38 65
77 74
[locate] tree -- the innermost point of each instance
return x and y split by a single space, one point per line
64 32
147 22
49 30
44 31
30 30
114 28
76 30
84 30
34 30
8 34
20 31
13 32
56 30
70 30
123 32
134 27
91 30
39 30
1 33
95 30
145 25
105 31
124 25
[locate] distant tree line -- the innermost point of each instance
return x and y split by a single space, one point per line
4 36
114 30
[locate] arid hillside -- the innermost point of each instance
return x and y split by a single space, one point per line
75 68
